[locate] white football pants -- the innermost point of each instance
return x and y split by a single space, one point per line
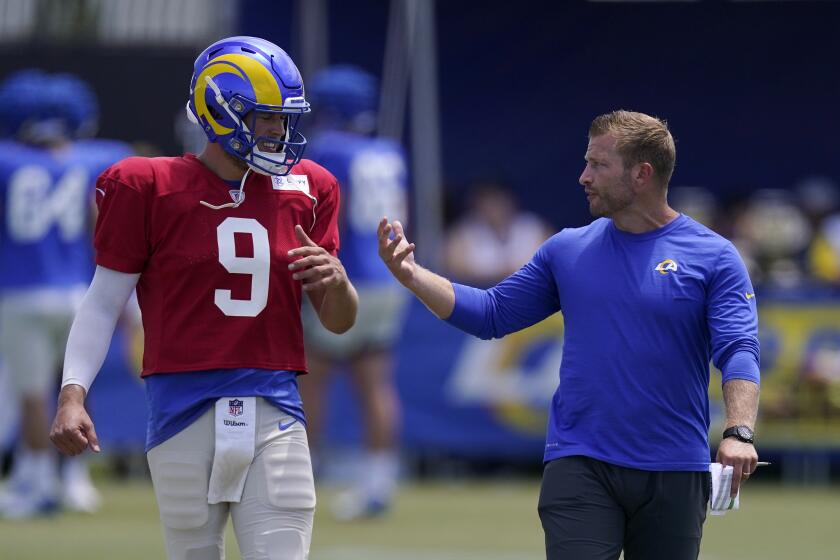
272 521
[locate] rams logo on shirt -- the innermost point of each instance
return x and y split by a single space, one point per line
666 266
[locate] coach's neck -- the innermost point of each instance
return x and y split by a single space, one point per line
648 210
643 222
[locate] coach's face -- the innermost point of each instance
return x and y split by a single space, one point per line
605 181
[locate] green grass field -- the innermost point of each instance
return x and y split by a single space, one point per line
438 521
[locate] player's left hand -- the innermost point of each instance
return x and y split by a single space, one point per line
742 456
316 268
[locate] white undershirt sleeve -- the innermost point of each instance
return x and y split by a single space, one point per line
93 326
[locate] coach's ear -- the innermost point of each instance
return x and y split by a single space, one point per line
643 175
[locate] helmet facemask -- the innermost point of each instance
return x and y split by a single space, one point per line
270 155
244 145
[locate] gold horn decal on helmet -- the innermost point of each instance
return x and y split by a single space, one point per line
262 80
211 71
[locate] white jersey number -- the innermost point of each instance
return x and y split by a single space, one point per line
377 182
34 206
257 266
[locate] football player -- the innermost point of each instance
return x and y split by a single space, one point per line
221 247
48 167
372 172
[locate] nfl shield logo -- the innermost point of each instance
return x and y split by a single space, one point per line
237 196
235 407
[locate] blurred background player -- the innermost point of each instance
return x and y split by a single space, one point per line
48 168
372 174
494 238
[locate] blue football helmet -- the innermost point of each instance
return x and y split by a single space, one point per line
347 96
76 102
233 80
40 108
20 100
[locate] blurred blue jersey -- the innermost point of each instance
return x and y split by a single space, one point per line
374 183
47 197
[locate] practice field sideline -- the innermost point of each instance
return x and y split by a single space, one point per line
437 521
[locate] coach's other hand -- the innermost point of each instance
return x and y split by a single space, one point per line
396 253
742 456
72 430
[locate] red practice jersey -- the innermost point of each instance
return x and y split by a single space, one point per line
215 289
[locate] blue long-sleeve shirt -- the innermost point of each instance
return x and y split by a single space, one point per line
644 314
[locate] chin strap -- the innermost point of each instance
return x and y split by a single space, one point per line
239 199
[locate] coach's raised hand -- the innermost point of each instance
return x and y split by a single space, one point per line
396 253
436 292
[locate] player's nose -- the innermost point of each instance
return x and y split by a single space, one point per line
277 125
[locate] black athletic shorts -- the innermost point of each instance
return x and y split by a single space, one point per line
591 510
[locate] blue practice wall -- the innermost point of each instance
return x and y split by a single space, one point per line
751 89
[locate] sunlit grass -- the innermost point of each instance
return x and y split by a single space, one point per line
460 520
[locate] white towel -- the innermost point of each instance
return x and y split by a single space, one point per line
720 501
235 435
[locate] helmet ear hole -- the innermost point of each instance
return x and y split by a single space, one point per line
214 113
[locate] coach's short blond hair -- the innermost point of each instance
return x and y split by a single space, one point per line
640 138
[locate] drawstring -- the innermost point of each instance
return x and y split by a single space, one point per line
314 216
239 199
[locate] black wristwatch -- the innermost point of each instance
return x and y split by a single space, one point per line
741 433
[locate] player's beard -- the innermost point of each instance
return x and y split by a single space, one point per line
613 198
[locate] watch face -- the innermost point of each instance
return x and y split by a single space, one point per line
745 433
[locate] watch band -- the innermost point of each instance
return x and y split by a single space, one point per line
741 433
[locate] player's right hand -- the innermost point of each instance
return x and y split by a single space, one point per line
396 253
72 430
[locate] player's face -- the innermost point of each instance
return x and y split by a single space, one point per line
605 181
270 126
